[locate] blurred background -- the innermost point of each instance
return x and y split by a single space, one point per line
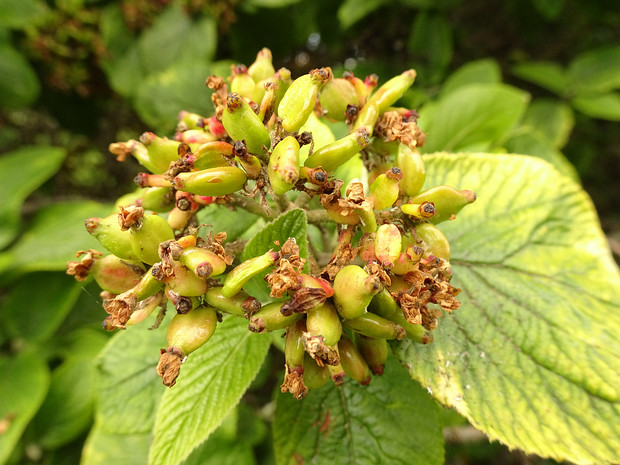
77 75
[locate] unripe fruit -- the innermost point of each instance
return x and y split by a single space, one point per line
383 304
353 291
283 169
262 68
448 201
161 151
323 321
352 361
109 234
374 350
243 272
222 180
116 275
335 96
412 167
242 83
202 262
241 123
300 98
270 318
372 325
146 235
384 190
435 242
241 304
388 244
209 155
339 152
315 376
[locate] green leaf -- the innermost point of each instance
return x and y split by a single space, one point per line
216 451
528 141
56 233
161 97
68 408
19 85
596 71
129 388
30 167
211 383
23 385
431 39
290 224
22 14
532 356
105 447
551 118
546 74
476 115
35 316
603 106
485 71
222 219
549 9
392 420
351 11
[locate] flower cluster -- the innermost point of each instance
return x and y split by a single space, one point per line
268 148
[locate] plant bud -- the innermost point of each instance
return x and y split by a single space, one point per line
352 361
189 120
270 318
419 211
109 234
408 260
335 96
374 350
388 244
183 281
315 376
383 304
323 320
353 291
186 333
262 68
435 242
161 151
145 308
115 275
242 123
212 181
372 325
384 190
194 137
448 201
241 82
300 98
209 155
245 271
339 152
157 199
202 262
146 233
241 304
412 167
283 169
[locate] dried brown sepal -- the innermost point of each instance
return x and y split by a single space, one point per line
321 353
251 305
214 242
283 279
344 254
81 269
122 150
257 325
128 217
168 251
220 96
375 269
169 365
120 308
294 382
178 166
304 300
392 126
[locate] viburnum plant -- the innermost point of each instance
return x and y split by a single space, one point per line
374 278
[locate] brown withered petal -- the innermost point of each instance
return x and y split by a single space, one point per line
176 167
120 308
410 307
375 269
355 192
251 305
284 278
294 382
304 300
220 96
214 243
321 353
122 150
169 365
81 269
129 217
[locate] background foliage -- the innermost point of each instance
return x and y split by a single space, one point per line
529 77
